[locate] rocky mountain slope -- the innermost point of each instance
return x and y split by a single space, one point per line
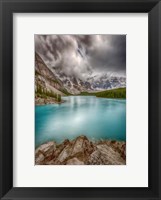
45 77
75 85
81 151
46 83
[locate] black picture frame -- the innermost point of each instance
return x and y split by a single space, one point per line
7 8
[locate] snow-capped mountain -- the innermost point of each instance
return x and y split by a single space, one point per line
57 81
75 85
105 82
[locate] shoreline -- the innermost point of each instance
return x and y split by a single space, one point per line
42 101
81 151
50 100
97 97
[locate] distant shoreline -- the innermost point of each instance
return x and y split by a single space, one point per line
119 93
48 102
97 97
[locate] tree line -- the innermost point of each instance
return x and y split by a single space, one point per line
44 93
114 93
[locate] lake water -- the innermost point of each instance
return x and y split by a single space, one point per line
97 118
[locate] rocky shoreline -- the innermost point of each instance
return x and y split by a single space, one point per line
81 151
48 100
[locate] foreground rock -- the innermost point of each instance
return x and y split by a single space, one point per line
81 151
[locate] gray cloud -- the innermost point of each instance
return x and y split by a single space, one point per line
83 55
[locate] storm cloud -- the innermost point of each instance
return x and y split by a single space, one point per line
83 55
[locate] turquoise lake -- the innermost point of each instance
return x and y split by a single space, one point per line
97 118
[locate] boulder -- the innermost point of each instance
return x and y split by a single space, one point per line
74 161
81 151
45 152
65 153
105 155
39 158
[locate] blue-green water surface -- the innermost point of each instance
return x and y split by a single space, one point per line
97 118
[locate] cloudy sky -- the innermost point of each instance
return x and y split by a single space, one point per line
84 55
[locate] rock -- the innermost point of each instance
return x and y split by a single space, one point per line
65 153
39 158
106 155
74 161
47 147
78 145
47 100
81 151
45 152
82 146
66 142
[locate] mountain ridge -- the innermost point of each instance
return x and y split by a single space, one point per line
58 82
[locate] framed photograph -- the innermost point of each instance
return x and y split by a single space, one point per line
80 99
80 82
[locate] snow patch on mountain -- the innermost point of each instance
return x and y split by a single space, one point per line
98 82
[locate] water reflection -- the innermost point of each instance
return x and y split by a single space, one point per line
95 117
